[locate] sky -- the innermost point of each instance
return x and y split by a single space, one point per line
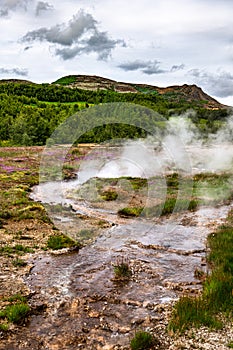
158 42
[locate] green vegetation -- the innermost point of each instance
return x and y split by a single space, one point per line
217 289
19 262
171 205
16 297
205 189
109 195
60 241
142 341
130 212
31 112
4 327
17 249
66 80
122 270
15 313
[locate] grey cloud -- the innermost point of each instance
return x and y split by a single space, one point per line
4 12
98 43
219 84
64 34
9 5
42 7
134 65
79 35
176 68
17 71
147 67
153 69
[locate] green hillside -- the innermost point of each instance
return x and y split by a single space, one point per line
31 112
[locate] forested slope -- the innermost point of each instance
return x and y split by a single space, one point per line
30 112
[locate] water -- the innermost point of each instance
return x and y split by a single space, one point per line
82 297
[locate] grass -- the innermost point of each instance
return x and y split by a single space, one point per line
66 80
17 249
171 205
19 263
60 241
122 270
16 297
142 341
217 296
15 313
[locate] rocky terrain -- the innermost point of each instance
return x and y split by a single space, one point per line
188 92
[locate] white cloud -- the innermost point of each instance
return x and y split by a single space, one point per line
156 42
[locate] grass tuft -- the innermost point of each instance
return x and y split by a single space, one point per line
15 313
142 341
122 270
60 241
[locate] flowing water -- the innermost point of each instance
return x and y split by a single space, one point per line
78 290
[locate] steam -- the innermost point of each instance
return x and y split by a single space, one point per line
182 149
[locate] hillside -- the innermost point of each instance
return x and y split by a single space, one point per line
31 112
189 93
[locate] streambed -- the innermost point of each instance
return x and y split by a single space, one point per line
84 306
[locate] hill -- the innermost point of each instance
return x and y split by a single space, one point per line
176 93
30 112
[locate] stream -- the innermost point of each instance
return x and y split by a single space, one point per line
84 306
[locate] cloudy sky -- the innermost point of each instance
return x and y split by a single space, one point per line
160 42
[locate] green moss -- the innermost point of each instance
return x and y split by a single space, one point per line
110 195
130 212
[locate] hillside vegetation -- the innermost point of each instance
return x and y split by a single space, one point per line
31 112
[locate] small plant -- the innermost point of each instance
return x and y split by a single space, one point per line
16 297
17 249
230 345
60 241
133 212
110 195
19 262
122 270
15 313
142 341
4 327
